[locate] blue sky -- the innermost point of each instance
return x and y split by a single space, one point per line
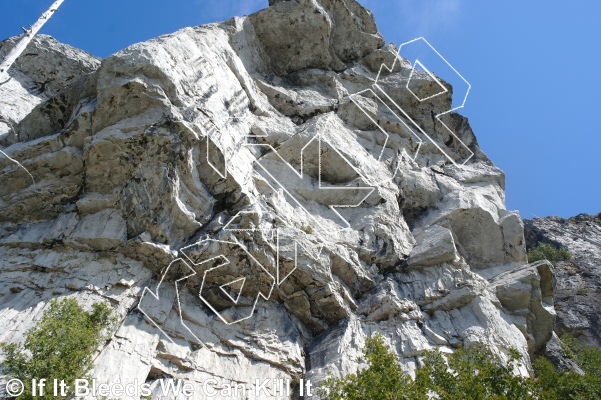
534 67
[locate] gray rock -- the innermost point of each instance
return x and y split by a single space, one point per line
578 283
529 293
46 68
435 245
558 357
104 230
223 174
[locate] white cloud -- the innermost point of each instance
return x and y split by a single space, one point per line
430 18
219 10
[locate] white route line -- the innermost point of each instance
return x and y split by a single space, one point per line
405 114
333 207
278 280
401 120
423 132
210 141
277 232
469 86
434 78
319 136
315 220
222 287
12 128
224 261
234 243
223 175
19 165
157 297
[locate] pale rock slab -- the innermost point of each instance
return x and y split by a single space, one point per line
577 294
45 69
435 245
529 294
244 133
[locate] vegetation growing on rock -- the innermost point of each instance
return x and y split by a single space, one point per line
545 251
469 373
60 346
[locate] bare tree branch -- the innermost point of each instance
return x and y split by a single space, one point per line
25 39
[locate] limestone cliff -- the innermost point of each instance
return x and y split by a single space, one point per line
578 301
251 209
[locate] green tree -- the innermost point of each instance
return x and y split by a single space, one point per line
570 385
544 251
473 373
60 346
469 373
382 380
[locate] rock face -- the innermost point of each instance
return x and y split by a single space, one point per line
251 211
578 295
39 74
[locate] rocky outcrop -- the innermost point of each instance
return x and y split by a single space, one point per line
45 69
251 211
578 301
528 294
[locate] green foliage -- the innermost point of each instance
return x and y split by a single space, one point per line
472 373
587 357
560 385
60 346
544 251
383 380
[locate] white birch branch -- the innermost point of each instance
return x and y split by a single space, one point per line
25 39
